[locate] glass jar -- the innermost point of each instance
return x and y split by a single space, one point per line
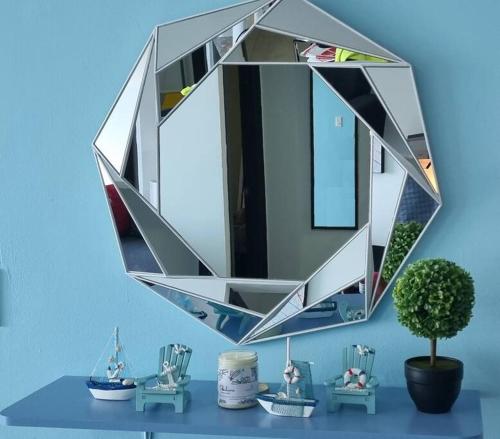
237 382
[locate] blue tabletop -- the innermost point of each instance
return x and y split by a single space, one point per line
66 403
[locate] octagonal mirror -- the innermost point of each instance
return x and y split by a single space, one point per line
267 169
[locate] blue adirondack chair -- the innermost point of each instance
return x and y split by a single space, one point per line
354 357
168 386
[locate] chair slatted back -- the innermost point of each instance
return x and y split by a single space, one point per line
351 358
178 358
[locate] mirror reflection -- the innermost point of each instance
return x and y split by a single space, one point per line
232 323
415 210
353 86
264 45
172 255
257 297
136 254
269 118
343 307
260 177
178 79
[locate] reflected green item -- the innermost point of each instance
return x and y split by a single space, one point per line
343 55
186 90
402 240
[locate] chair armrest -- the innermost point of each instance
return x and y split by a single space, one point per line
184 381
333 381
143 380
372 383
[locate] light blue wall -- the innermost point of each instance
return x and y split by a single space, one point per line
63 62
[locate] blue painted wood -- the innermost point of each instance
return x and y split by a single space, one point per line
337 394
148 392
66 403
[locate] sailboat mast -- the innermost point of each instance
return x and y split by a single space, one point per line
117 344
288 363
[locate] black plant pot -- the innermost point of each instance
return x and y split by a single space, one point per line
434 389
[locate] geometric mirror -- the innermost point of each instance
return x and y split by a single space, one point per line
262 164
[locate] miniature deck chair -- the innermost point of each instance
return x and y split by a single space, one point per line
348 313
356 385
171 380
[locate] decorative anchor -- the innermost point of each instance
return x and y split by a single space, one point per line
168 370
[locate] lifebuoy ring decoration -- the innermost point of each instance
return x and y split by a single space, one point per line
291 375
352 372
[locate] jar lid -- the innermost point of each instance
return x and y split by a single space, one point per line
237 358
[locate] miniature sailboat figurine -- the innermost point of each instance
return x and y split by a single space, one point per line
113 387
295 397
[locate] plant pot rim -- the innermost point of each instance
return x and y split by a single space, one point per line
408 362
433 375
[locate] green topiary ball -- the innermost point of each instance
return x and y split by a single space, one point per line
402 240
434 298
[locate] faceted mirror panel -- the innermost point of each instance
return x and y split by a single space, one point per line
180 37
135 252
260 162
416 208
231 323
343 307
173 255
353 86
350 262
261 45
387 188
299 17
114 136
258 297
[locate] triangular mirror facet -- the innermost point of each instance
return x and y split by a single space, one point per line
347 265
387 187
135 252
181 37
113 138
396 88
174 257
292 306
415 209
141 167
234 324
177 80
351 84
263 45
299 17
342 307
256 297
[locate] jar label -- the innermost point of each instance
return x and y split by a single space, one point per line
238 387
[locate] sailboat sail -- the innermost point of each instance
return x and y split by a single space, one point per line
296 396
295 392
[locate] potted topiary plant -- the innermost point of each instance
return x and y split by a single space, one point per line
434 299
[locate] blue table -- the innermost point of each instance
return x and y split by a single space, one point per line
66 403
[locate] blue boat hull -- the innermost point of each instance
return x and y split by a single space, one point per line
111 391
